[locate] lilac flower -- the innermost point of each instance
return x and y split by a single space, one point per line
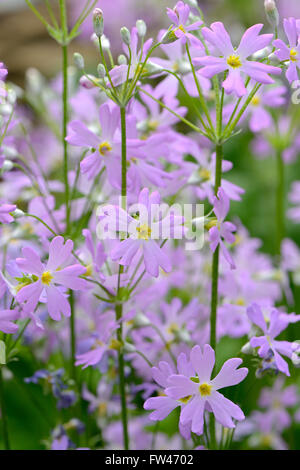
5 210
45 279
277 323
222 230
179 15
105 150
290 53
100 343
143 232
196 392
277 399
226 57
265 97
7 317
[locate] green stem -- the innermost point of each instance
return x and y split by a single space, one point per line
73 338
215 282
280 195
3 414
119 312
119 307
64 132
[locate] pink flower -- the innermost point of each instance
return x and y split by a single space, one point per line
222 230
7 317
271 329
5 210
179 16
105 150
195 392
226 57
43 280
143 232
290 53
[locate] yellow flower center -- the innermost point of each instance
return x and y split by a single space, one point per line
293 55
89 270
186 399
205 174
104 148
205 389
47 278
144 232
255 101
173 328
240 301
153 125
102 409
181 28
234 61
115 344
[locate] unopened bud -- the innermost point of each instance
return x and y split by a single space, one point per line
129 348
125 35
18 213
78 61
86 83
122 59
101 71
247 349
141 28
169 37
7 165
272 12
98 22
141 320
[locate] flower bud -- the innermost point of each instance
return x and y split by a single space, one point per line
78 61
246 349
129 348
86 83
141 320
122 59
18 213
141 28
101 71
169 37
7 165
98 22
125 35
272 13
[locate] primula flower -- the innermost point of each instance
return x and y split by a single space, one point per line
235 61
195 392
105 150
179 15
100 343
143 232
266 97
271 329
290 53
222 230
5 210
45 278
7 317
3 74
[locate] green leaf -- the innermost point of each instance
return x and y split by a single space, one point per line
2 353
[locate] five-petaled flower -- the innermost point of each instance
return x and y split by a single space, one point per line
291 53
44 280
195 392
226 58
